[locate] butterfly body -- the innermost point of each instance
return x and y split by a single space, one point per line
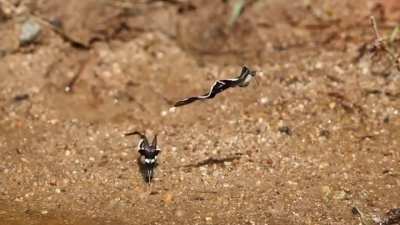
148 154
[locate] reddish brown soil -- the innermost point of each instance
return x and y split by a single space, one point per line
63 157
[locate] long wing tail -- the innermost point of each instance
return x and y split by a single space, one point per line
143 139
135 133
186 101
216 88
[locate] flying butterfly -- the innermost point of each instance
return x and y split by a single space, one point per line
148 154
219 86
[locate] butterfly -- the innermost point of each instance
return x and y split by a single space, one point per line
219 86
148 154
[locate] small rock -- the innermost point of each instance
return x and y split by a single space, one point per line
21 97
168 197
324 133
286 130
251 222
264 100
227 163
179 213
319 65
30 30
323 165
44 212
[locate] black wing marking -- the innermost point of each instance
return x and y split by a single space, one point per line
186 101
244 74
142 152
229 83
149 153
244 71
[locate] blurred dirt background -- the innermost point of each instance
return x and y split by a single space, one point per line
317 135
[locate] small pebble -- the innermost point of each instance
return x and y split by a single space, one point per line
319 65
168 197
172 109
286 130
30 30
179 213
264 100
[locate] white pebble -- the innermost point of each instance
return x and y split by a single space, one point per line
264 100
172 109
319 65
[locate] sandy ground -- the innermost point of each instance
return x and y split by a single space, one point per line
316 135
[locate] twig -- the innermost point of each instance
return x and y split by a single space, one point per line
70 85
375 26
380 43
61 33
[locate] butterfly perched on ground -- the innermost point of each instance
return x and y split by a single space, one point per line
148 154
242 80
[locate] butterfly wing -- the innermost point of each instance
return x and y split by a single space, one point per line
186 101
219 87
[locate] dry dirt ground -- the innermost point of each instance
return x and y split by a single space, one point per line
316 135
